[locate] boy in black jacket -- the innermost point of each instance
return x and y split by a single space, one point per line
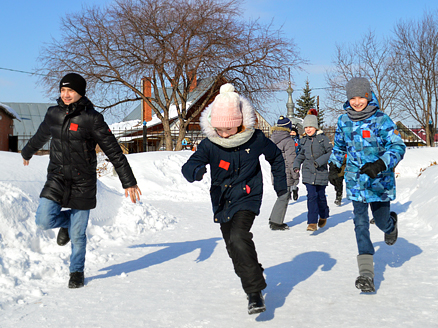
75 128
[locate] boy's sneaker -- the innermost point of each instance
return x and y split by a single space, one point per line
391 238
276 226
256 303
295 194
312 227
365 284
76 280
63 237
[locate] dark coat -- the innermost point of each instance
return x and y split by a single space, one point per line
314 155
71 175
236 177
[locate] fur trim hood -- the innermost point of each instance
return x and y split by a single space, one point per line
248 118
248 122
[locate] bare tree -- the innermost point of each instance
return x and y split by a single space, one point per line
369 58
416 48
170 43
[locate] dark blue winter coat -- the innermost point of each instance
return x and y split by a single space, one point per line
236 177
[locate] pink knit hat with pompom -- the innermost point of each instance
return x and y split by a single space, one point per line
225 111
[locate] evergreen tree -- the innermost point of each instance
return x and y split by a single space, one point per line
305 102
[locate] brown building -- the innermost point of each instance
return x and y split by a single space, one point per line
132 140
7 140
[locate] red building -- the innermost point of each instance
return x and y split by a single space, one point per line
7 140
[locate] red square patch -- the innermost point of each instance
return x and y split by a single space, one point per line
224 165
366 134
73 127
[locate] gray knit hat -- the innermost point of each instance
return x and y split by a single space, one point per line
358 87
310 120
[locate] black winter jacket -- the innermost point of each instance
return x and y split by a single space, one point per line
71 175
236 177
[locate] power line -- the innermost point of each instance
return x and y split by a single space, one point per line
18 71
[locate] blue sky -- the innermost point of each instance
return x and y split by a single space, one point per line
315 25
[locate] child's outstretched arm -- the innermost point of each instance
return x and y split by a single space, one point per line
194 169
275 158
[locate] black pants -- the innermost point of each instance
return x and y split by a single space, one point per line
242 252
339 186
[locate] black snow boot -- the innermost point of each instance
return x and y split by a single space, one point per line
256 303
276 226
76 280
365 284
63 237
391 238
338 199
295 194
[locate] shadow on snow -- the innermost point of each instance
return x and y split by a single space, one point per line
282 278
169 252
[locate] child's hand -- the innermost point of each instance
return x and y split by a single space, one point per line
334 172
372 169
297 170
199 173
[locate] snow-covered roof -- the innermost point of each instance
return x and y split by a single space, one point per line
10 111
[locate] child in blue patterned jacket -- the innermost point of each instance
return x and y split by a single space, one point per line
373 147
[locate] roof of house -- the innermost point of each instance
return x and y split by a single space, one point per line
10 111
31 114
203 85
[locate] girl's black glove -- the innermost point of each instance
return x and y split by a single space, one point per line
372 169
199 173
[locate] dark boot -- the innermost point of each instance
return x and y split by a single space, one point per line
338 199
76 280
295 193
256 303
276 226
391 238
63 237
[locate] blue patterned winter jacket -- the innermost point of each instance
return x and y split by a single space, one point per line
364 142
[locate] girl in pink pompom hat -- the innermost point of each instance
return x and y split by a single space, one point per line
232 150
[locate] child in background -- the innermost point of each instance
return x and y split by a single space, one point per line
232 149
296 175
281 137
373 147
314 155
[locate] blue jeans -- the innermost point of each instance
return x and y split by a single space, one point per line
382 218
49 216
316 203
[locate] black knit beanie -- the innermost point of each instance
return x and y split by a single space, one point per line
74 81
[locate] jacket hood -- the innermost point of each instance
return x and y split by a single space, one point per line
279 133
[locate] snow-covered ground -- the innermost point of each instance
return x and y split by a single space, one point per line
162 262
